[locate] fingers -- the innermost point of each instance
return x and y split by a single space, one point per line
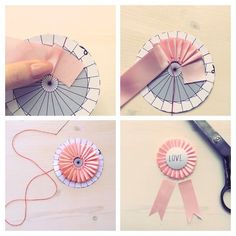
23 73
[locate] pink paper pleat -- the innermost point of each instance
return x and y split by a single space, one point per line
90 162
180 50
162 198
189 152
194 72
189 199
54 55
66 67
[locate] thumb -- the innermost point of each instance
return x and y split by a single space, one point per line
23 73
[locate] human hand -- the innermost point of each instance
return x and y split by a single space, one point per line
23 73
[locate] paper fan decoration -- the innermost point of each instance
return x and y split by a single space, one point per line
78 163
189 78
176 158
52 97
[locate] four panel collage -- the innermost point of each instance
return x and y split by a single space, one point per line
135 137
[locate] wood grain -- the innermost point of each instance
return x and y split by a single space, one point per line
91 208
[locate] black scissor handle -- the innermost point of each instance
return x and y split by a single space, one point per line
226 188
224 151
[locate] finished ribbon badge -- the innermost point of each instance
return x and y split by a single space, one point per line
176 159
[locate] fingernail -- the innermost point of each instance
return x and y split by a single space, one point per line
40 69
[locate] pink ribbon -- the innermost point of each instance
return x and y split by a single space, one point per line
142 73
163 197
188 196
157 60
189 199
66 67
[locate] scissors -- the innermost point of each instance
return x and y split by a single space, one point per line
223 149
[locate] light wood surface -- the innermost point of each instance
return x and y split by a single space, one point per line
141 178
92 26
91 208
210 24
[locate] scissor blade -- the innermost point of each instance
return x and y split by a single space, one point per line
220 145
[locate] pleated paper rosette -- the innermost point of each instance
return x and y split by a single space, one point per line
189 78
78 163
176 158
51 97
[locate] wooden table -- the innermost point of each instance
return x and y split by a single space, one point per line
141 178
91 208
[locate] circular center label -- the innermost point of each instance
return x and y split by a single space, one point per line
174 69
176 158
49 83
78 162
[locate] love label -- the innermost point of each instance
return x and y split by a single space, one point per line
176 158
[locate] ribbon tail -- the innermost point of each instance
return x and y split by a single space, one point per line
190 200
163 197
